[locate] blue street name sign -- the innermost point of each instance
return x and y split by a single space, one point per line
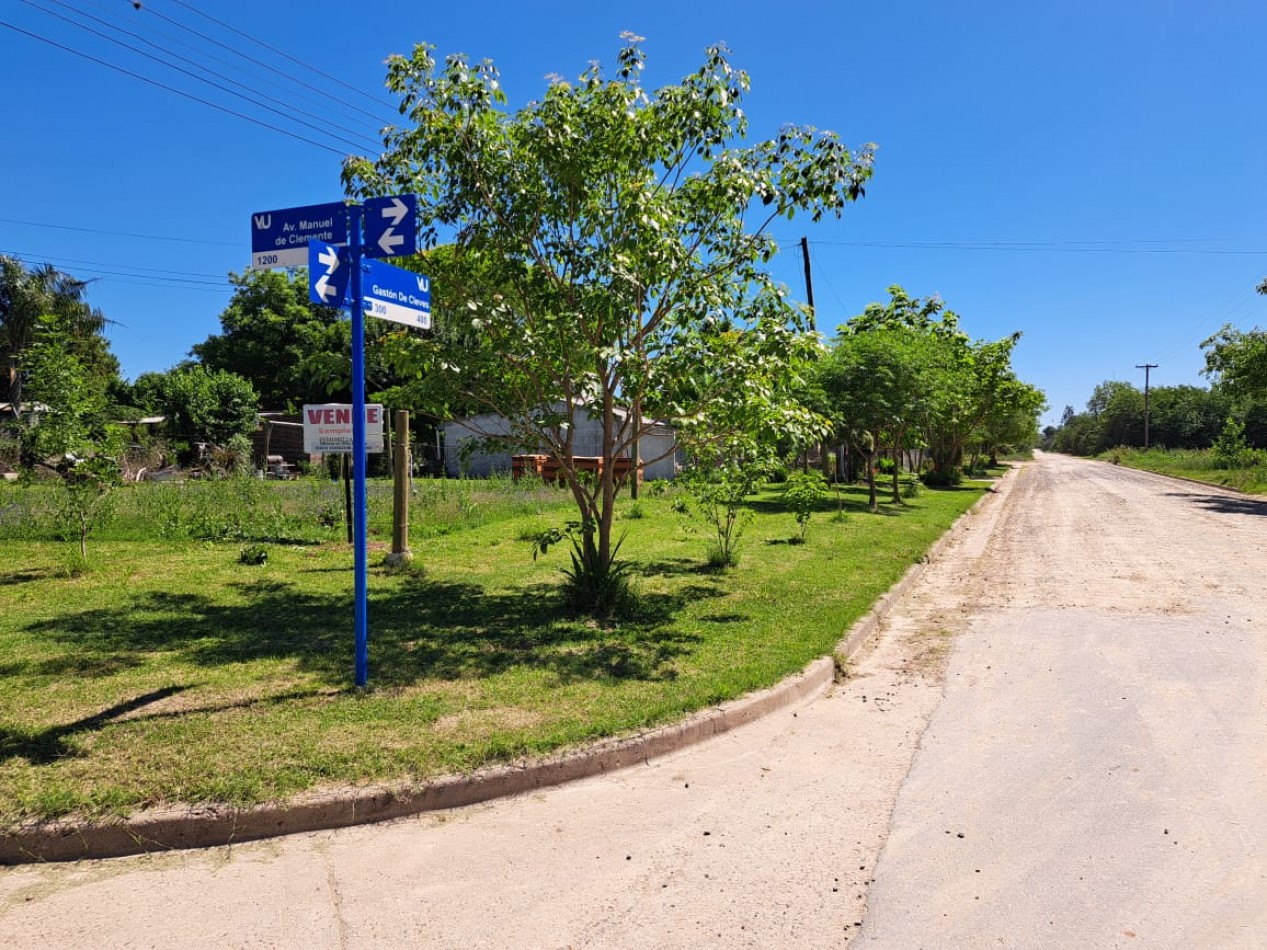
280 238
328 273
349 277
392 293
391 226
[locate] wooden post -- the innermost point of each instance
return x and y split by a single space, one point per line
268 443
345 461
400 493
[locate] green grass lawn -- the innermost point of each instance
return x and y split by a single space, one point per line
169 672
1192 463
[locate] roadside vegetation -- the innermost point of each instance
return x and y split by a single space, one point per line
171 671
1216 434
1202 465
175 627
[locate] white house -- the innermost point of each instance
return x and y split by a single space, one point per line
658 449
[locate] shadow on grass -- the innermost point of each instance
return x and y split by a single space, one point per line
676 566
40 746
418 629
26 576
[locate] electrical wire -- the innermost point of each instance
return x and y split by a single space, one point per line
212 72
1238 306
827 279
324 102
282 53
251 59
179 92
128 234
107 271
1069 247
192 75
29 257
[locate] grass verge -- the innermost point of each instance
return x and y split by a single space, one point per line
171 672
1196 464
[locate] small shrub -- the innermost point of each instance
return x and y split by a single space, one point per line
330 515
944 479
591 587
635 512
253 554
910 486
720 558
804 492
1230 450
85 497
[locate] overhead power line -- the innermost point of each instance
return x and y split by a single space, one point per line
108 269
191 75
30 257
146 237
325 120
1065 247
273 69
273 49
179 92
200 49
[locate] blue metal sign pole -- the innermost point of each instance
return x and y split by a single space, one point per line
358 454
381 227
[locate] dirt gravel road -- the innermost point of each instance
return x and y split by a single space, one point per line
1093 775
1096 775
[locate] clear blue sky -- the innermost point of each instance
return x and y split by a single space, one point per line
1092 174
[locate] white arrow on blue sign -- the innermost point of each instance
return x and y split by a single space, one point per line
328 273
280 238
391 226
393 293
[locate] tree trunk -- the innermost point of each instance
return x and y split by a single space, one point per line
897 471
873 503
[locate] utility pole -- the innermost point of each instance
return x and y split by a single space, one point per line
809 282
1146 367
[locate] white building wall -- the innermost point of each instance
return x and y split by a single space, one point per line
587 440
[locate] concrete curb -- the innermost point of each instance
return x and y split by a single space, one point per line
210 826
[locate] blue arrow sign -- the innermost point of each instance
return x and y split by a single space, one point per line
280 238
328 273
392 293
391 226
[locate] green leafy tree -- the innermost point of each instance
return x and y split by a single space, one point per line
72 427
1011 420
932 383
1237 359
1187 417
27 296
290 349
878 380
1230 450
602 233
203 405
1118 409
